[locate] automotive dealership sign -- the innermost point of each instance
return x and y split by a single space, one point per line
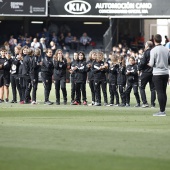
110 8
23 7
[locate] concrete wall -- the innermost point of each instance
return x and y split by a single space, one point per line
149 28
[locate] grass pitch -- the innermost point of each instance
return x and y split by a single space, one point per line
68 137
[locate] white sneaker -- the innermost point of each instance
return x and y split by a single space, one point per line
109 105
92 103
160 114
33 102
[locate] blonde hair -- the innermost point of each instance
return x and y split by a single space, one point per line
100 55
91 54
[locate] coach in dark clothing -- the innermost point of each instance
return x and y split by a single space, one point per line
159 60
46 73
146 76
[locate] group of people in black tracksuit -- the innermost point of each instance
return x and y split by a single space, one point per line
22 73
122 78
23 68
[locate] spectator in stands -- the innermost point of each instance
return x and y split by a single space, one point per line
43 46
11 40
37 35
75 43
69 39
166 39
14 45
61 41
35 44
27 42
54 38
85 40
7 47
53 47
46 35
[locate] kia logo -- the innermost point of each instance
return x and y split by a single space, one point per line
77 7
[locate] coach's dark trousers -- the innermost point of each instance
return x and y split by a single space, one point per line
143 80
160 82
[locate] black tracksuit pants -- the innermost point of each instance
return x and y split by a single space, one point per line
122 93
73 88
47 82
143 80
27 81
15 84
80 87
91 85
103 85
160 82
113 93
128 91
57 84
34 82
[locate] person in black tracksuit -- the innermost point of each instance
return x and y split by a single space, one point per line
90 75
80 71
146 76
26 75
14 78
132 81
60 66
47 68
121 79
21 76
112 70
34 70
73 86
99 69
5 64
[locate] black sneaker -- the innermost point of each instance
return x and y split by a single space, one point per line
65 102
153 105
13 101
27 102
122 105
48 103
57 103
1 101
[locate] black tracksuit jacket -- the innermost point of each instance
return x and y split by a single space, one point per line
60 69
99 75
81 72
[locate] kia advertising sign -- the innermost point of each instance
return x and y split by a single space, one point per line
110 8
77 7
23 7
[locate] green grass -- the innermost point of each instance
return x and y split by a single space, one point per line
83 138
